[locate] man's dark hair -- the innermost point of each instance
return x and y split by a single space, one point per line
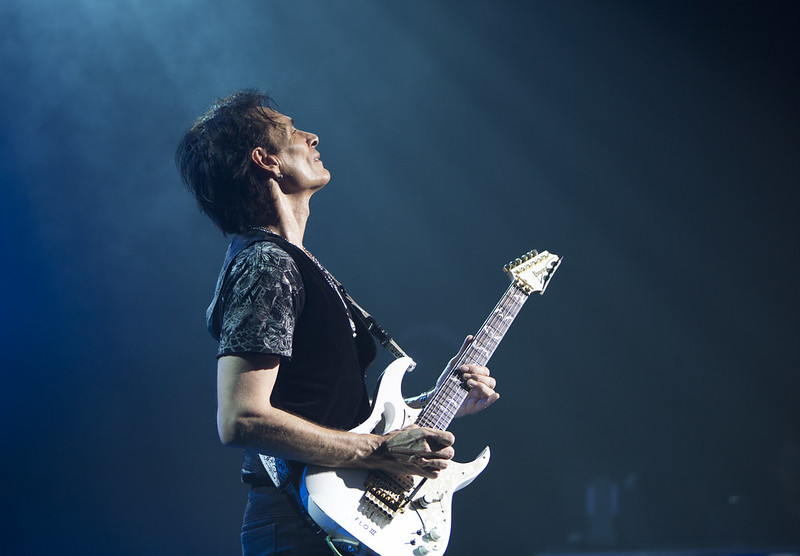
213 158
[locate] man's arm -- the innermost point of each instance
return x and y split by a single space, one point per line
245 418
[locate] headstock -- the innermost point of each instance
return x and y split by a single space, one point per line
532 272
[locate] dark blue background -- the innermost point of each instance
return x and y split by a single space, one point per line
655 146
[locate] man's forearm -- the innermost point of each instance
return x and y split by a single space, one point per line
288 436
412 450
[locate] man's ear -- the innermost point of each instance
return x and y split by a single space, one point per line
267 162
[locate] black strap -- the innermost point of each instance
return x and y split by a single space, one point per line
374 327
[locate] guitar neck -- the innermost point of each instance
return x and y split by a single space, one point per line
451 392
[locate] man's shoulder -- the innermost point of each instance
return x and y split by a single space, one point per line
268 255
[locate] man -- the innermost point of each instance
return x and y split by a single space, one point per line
293 351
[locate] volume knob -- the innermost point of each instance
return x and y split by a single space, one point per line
424 501
434 534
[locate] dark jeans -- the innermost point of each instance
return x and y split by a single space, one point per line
271 526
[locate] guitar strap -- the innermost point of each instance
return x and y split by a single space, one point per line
374 328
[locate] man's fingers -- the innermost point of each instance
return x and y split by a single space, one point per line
430 468
444 453
483 380
440 439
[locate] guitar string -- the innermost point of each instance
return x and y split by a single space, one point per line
452 389
439 415
510 304
499 322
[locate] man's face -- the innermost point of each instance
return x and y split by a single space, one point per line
299 160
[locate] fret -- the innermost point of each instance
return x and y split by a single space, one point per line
445 402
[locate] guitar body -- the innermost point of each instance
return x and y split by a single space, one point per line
334 498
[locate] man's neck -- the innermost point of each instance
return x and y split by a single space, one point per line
292 212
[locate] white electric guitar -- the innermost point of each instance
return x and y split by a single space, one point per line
403 515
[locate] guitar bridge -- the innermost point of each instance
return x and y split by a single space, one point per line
385 496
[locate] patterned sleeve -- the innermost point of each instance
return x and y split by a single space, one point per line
262 297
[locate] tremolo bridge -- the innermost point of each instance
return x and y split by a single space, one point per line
386 495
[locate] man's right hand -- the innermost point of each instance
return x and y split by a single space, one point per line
415 450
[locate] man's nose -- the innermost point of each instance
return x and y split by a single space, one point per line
312 139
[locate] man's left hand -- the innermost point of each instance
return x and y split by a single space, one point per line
481 394
481 390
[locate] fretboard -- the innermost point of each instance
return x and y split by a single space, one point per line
450 394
